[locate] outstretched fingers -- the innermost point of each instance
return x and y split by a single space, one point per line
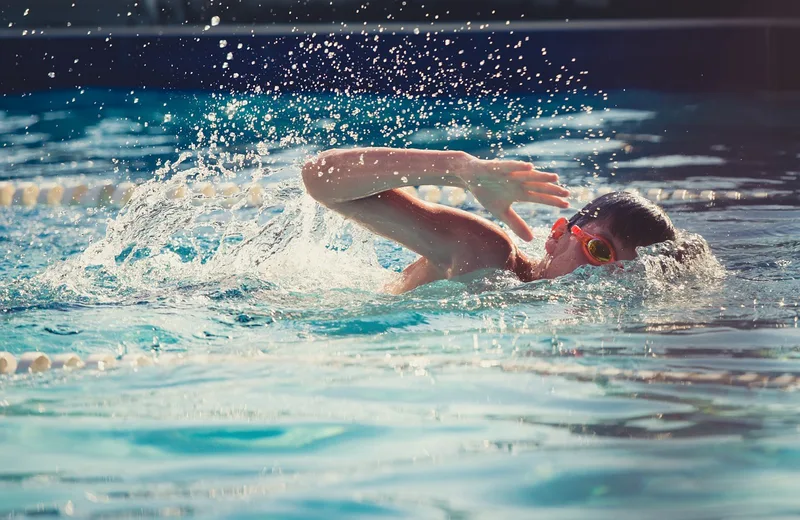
540 187
545 187
510 165
534 176
549 200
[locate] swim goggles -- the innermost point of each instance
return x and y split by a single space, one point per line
597 249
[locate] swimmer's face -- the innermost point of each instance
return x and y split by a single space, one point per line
566 253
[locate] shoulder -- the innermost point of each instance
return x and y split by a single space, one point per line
487 245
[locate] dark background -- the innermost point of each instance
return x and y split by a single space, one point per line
61 13
743 46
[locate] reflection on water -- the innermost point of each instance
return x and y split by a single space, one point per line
287 385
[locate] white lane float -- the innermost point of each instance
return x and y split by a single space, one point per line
205 189
430 193
98 195
66 361
6 193
26 194
51 194
32 362
136 360
655 194
228 193
100 361
453 196
681 195
74 194
8 363
254 196
122 194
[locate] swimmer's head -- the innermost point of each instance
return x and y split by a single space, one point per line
608 229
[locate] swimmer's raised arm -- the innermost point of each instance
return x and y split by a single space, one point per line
361 184
337 176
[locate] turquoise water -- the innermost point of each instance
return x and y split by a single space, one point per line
287 386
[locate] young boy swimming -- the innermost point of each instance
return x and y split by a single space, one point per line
362 184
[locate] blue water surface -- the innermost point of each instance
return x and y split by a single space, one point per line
285 384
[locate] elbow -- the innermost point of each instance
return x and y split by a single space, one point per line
313 177
319 176
308 172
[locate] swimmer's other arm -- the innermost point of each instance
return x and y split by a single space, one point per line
362 183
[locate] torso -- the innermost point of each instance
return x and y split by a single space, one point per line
424 271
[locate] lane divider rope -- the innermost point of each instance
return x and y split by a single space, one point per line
116 195
36 362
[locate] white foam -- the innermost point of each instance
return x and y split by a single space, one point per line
671 161
569 147
594 119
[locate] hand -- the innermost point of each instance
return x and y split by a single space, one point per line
497 184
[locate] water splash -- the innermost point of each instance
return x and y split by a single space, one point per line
160 246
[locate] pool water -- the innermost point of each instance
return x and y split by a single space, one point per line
286 385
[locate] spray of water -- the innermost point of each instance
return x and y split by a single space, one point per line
161 246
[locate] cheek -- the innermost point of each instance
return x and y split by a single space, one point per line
566 258
572 251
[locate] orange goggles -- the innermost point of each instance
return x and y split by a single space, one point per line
597 249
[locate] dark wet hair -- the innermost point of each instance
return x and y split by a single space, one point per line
633 219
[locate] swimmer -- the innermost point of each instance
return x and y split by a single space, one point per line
363 185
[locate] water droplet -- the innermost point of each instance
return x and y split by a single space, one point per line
214 21
51 74
223 44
